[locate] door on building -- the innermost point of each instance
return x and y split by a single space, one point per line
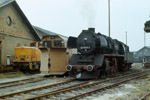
8 59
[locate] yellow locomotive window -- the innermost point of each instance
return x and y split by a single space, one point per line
22 56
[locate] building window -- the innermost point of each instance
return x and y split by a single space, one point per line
57 43
47 44
8 20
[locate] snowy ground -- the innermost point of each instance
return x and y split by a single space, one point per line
132 90
20 78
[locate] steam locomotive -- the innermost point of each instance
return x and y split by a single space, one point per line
97 55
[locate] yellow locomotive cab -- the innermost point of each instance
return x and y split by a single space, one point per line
27 54
27 58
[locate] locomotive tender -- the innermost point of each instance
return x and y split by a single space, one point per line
97 55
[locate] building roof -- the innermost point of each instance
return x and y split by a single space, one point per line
5 2
42 32
145 51
26 21
148 47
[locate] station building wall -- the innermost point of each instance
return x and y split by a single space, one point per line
13 32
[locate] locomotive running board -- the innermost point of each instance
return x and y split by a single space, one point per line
113 55
53 73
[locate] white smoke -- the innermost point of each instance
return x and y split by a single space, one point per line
88 12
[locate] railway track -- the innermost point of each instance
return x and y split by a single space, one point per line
10 95
115 84
21 82
35 89
63 92
80 90
57 88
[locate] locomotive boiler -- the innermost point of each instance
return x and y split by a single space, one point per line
97 55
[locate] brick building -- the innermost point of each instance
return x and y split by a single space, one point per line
15 30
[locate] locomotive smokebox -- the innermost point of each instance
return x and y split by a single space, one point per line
92 29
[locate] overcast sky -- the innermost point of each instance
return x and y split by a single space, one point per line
70 17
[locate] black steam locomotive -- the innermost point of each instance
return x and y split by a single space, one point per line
97 55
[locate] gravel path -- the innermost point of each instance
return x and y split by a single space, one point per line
21 78
32 85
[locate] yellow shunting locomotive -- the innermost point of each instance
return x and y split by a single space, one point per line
27 58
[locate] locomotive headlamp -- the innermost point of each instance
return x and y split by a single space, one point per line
85 39
89 68
68 67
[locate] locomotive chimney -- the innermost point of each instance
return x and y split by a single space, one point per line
92 29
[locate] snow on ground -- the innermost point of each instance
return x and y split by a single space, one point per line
116 93
132 90
20 78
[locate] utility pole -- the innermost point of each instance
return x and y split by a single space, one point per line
109 18
126 38
144 39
